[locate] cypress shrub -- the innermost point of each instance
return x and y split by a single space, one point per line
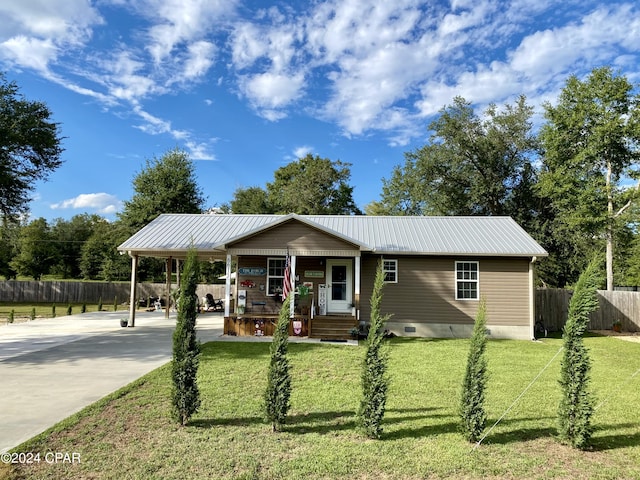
83 309
53 311
186 349
69 309
375 381
12 314
100 304
115 303
576 403
33 314
472 414
278 392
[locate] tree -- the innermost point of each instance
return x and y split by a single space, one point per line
29 147
165 185
471 166
312 186
375 381
186 348
69 237
278 391
472 414
576 403
9 233
590 145
250 200
99 257
36 250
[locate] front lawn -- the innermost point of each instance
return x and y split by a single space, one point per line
130 434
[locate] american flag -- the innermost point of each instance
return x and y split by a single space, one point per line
286 286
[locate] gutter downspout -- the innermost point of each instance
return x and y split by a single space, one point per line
532 298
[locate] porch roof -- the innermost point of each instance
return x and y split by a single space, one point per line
173 234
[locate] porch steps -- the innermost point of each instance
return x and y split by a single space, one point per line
332 327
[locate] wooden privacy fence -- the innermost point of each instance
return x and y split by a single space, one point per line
88 292
552 306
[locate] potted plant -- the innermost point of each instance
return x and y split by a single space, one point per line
354 332
240 309
617 326
124 322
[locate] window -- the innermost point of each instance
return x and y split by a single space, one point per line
467 281
275 275
390 271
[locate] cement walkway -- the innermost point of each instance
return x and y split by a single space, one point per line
52 368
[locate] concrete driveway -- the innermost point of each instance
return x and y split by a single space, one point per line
52 368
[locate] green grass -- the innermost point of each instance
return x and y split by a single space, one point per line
130 434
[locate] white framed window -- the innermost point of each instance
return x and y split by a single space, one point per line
390 270
467 281
275 275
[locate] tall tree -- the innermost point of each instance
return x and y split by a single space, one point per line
278 392
29 147
472 413
590 145
471 166
312 186
186 349
576 403
165 185
375 381
37 252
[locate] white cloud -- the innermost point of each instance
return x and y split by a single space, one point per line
102 203
33 33
302 151
199 151
269 92
178 22
29 52
200 57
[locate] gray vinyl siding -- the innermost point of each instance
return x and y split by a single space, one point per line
425 292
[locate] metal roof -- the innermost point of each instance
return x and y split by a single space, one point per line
173 234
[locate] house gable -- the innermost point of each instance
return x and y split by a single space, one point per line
295 237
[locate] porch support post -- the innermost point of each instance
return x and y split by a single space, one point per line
168 304
293 286
132 296
227 288
356 300
532 299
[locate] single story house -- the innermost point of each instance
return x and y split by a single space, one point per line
436 270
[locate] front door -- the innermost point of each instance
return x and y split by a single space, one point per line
339 285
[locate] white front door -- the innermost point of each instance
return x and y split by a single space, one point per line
339 285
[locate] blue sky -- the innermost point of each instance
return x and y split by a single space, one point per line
247 87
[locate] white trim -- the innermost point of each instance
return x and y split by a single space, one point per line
476 281
227 287
283 259
331 304
395 271
532 298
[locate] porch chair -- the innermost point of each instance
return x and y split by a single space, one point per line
211 304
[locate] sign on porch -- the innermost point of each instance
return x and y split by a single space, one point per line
314 273
255 271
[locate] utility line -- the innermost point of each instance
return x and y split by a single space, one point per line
516 400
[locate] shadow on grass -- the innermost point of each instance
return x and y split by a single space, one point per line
614 441
220 422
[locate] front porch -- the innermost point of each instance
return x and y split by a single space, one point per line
333 327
